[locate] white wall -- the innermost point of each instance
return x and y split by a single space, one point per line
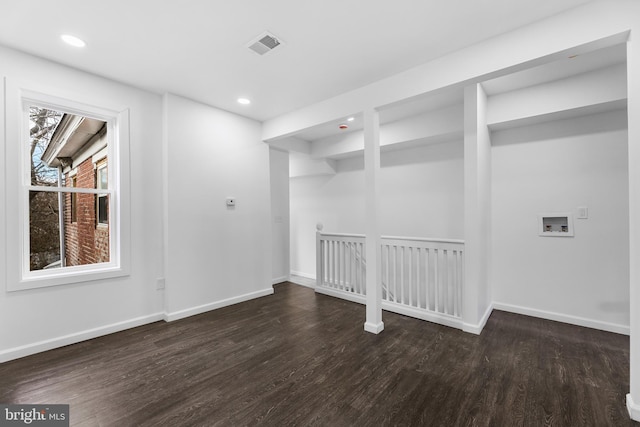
421 194
185 159
215 255
279 172
437 125
557 167
39 319
586 90
337 201
304 165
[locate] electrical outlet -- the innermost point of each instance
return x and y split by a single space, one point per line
160 283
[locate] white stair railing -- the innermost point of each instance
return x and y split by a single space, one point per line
340 267
422 278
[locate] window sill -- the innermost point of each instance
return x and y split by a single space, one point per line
66 276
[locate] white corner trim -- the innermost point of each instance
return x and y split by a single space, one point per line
181 314
633 408
565 318
477 328
374 328
50 344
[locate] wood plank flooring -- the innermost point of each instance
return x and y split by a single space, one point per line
297 358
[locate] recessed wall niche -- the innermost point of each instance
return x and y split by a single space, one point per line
556 224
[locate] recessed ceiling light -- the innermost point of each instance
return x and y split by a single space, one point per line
350 119
73 40
244 101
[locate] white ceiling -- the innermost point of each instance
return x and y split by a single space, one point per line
197 48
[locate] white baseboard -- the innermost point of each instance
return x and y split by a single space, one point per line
360 299
279 280
50 344
441 319
374 328
633 408
299 283
181 314
565 318
305 275
478 327
401 309
293 279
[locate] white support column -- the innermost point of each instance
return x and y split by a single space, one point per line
374 322
477 210
633 111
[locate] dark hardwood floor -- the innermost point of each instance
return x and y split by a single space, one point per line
297 358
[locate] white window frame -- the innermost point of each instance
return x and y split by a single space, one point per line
18 184
74 200
100 195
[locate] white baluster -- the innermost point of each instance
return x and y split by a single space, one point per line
411 273
418 285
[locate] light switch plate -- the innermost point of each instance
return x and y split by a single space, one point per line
583 212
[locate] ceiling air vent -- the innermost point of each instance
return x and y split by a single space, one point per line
265 43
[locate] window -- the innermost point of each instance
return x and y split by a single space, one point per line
59 143
73 213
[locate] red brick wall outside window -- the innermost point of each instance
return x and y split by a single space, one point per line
86 241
